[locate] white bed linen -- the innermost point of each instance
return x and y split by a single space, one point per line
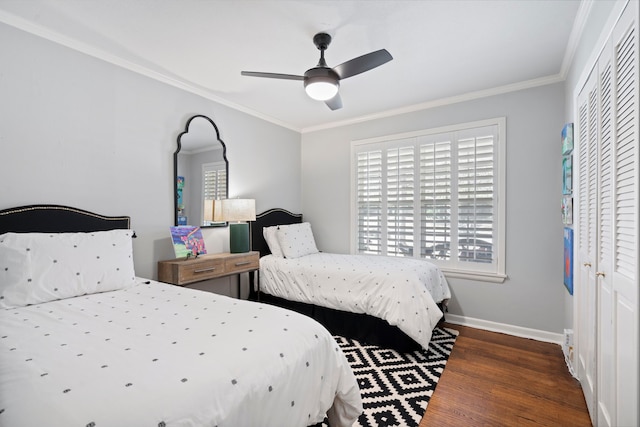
161 355
402 291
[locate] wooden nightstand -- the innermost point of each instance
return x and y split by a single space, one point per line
183 271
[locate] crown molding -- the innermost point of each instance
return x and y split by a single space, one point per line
543 81
579 23
77 45
87 49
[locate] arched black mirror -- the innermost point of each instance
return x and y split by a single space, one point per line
201 173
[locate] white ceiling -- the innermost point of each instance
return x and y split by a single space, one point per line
442 49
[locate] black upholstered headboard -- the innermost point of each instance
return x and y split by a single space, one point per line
57 219
269 218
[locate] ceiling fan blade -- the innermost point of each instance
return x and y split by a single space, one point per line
363 63
272 75
334 103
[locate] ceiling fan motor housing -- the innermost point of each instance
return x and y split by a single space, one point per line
322 40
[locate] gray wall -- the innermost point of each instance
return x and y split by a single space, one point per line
78 131
533 295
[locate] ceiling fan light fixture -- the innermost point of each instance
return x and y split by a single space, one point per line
321 88
321 82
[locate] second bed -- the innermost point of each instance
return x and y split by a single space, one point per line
388 301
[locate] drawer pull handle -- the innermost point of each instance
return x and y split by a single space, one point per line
204 270
238 264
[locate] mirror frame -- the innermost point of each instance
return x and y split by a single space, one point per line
175 167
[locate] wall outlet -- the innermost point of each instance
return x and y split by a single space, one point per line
567 349
567 345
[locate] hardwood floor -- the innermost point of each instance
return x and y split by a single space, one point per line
493 379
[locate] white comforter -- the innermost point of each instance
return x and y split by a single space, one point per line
402 291
161 355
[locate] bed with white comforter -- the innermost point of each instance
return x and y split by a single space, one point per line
160 355
402 291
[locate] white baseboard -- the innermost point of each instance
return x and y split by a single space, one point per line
517 331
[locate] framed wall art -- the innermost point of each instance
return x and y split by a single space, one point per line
568 259
567 210
567 174
567 139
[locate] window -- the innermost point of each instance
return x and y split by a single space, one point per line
435 194
214 184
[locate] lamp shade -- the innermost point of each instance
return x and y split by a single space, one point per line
209 206
234 210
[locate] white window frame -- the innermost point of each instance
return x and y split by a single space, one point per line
494 272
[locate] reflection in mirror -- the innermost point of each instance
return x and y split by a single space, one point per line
201 172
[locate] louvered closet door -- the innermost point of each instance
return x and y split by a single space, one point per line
586 292
606 397
607 320
624 264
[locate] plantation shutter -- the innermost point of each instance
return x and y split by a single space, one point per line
400 199
214 183
369 201
476 194
435 196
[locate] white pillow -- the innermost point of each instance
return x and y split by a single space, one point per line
270 237
41 267
296 240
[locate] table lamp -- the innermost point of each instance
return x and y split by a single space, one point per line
236 212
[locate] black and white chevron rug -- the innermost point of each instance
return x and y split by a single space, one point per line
396 387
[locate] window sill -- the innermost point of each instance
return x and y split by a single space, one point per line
474 275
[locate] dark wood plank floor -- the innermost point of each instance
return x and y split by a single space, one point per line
493 379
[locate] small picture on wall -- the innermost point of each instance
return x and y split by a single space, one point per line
567 139
567 174
568 259
567 210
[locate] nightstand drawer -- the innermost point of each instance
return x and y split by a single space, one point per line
208 269
241 263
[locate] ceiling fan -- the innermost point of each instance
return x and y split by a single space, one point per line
321 82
